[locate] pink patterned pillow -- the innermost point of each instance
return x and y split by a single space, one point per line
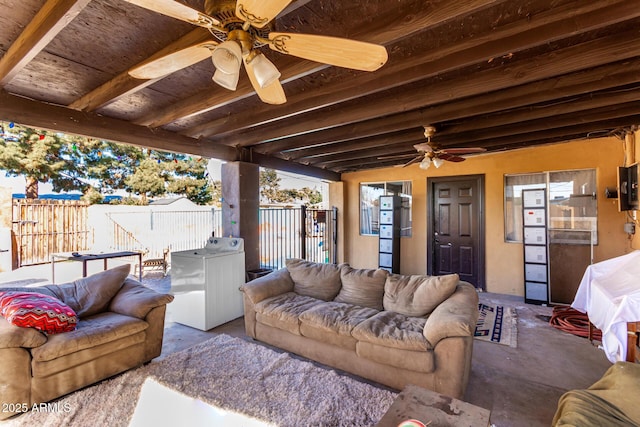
34 310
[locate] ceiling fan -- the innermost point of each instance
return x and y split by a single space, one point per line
239 29
429 155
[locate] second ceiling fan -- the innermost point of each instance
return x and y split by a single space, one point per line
240 29
428 155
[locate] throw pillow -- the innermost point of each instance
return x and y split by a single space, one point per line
417 295
92 295
136 300
38 311
321 281
363 287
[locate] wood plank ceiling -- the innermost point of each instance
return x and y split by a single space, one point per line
498 74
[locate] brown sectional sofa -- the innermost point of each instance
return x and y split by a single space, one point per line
120 326
389 328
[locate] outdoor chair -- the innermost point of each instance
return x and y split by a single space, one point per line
158 263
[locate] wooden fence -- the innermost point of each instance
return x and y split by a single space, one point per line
43 227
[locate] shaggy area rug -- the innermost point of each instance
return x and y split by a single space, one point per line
497 324
233 374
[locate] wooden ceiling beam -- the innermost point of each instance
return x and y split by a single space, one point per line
533 30
411 136
530 133
603 50
398 149
283 165
569 85
578 131
52 18
123 84
62 119
480 136
421 17
615 97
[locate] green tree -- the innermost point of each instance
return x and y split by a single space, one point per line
269 185
40 156
271 192
148 180
98 167
190 178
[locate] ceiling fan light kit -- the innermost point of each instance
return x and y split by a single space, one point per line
227 57
226 80
242 27
430 155
263 69
425 163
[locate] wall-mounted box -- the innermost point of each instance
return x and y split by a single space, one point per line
628 188
389 243
536 236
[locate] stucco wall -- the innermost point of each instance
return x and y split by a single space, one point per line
504 261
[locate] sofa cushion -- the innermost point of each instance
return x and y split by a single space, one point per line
38 311
417 295
91 295
135 299
283 311
92 331
390 329
363 287
275 283
332 322
321 281
412 360
13 336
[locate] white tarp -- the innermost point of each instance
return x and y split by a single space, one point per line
610 294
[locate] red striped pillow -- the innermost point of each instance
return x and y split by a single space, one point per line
34 310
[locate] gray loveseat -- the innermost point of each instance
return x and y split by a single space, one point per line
120 326
389 328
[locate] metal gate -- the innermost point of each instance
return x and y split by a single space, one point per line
43 227
309 234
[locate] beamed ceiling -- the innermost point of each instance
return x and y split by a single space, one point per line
498 74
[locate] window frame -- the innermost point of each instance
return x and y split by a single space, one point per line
407 216
513 211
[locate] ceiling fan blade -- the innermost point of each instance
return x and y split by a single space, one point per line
450 157
424 147
395 156
470 150
330 50
173 62
178 11
271 94
260 12
414 160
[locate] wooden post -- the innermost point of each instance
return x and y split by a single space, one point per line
240 205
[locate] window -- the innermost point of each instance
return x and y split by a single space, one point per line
572 205
369 211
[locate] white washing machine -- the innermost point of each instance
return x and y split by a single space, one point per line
206 283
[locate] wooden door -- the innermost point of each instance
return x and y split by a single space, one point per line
456 228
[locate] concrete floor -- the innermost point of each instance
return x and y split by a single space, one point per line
520 386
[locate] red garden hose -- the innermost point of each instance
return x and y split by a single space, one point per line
570 320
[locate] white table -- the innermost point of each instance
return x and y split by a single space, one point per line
610 295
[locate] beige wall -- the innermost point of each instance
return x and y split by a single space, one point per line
504 261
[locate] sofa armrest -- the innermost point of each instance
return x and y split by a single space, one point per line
136 300
455 317
12 336
275 283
